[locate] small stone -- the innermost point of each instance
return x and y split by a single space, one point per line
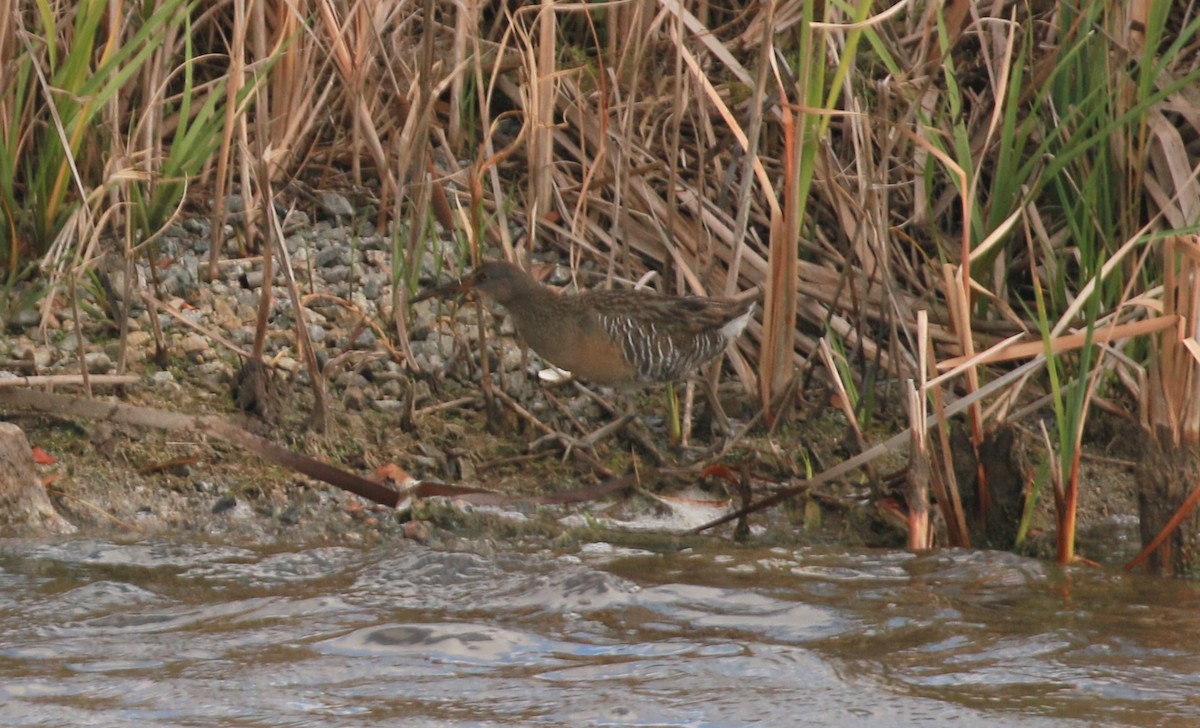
193 343
214 372
235 203
163 378
365 341
335 205
332 256
287 364
372 285
354 399
97 362
337 274
510 356
351 379
25 318
42 356
560 275
417 531
223 312
69 343
295 220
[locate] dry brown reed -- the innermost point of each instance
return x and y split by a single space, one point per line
860 166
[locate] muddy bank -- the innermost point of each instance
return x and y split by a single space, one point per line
425 414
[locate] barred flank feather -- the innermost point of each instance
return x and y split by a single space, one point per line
660 352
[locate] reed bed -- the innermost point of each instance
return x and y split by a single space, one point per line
1000 172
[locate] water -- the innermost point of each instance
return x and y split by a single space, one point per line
190 634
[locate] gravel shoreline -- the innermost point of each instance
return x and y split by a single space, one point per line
139 481
114 478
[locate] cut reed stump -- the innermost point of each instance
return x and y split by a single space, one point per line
1166 474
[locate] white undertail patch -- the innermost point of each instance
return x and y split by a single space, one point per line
735 327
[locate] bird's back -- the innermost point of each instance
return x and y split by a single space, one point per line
666 338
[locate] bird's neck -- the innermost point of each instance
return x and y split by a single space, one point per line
527 298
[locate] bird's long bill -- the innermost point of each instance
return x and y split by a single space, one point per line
441 291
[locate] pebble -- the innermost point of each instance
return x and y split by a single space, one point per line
287 364
355 399
42 357
372 285
194 346
234 203
351 379
162 378
214 372
365 341
25 318
336 205
337 274
97 362
333 256
69 343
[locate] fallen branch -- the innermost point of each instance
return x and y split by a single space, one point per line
68 380
210 425
223 429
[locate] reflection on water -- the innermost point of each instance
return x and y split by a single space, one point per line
109 634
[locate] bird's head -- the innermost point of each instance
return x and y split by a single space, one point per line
499 280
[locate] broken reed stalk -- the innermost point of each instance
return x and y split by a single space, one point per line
958 299
920 472
920 537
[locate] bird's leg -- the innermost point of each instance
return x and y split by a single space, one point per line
720 420
627 417
675 428
550 434
685 433
590 440
570 442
